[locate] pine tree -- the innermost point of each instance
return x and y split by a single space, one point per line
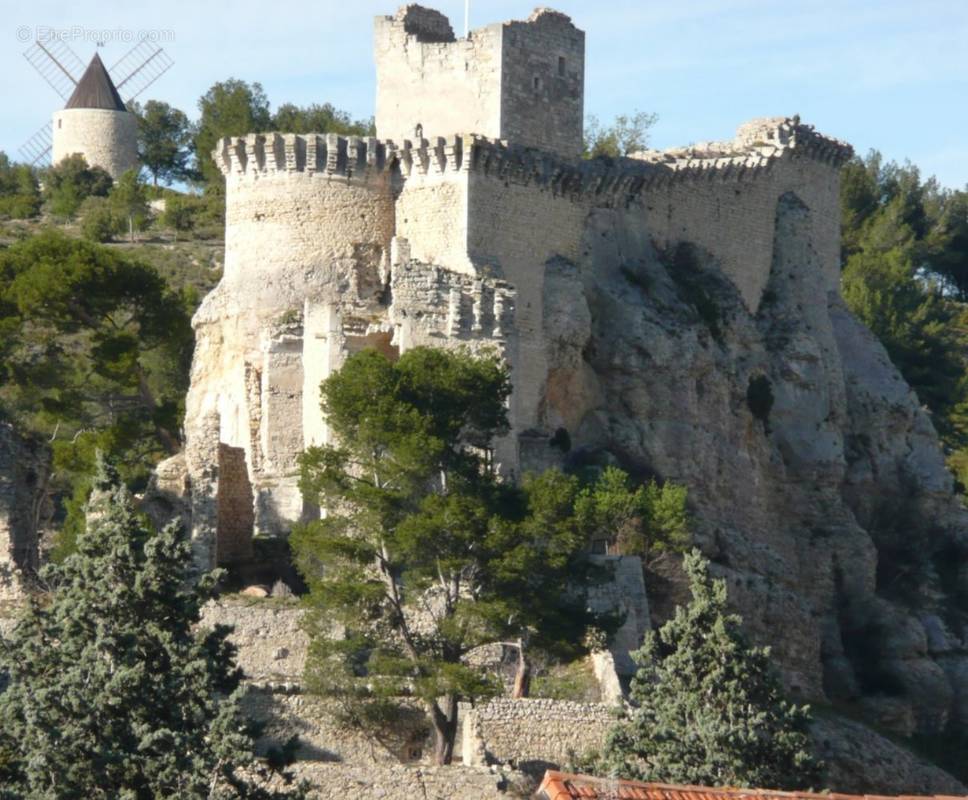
710 709
112 693
424 553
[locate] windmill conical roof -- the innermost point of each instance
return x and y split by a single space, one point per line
95 89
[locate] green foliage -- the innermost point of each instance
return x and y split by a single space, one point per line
165 139
19 192
69 183
182 212
129 202
645 521
575 682
709 708
98 222
316 118
94 353
627 134
228 108
114 692
418 523
905 244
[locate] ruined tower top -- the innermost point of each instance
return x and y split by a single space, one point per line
523 81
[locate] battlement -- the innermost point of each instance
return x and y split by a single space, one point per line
765 138
326 154
758 145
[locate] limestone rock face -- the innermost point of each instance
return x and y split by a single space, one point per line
816 480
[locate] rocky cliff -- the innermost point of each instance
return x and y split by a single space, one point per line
817 482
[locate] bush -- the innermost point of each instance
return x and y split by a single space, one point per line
70 182
19 192
182 212
98 223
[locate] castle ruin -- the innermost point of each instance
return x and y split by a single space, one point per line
443 230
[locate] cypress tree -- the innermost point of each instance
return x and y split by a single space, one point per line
112 691
710 708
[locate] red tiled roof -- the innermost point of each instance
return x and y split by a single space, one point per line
563 786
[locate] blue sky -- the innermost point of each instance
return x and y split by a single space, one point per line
886 74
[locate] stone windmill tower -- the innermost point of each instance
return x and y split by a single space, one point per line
96 124
95 121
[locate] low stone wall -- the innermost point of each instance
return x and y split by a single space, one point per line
536 732
271 643
284 714
425 783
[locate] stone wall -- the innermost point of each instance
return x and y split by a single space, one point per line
382 781
426 77
543 83
534 730
106 138
271 643
625 594
522 80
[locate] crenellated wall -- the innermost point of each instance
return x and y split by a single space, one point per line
336 243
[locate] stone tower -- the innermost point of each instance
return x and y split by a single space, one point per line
96 124
523 81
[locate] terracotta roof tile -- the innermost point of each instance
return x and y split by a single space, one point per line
565 786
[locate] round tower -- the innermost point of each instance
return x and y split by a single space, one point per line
96 124
308 225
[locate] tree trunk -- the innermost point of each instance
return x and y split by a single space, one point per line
443 716
522 677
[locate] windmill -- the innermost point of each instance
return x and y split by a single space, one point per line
95 120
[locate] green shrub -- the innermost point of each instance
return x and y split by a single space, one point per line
98 223
70 182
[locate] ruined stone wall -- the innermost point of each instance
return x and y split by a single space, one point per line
733 219
543 83
515 231
427 77
522 81
380 781
308 220
431 214
106 138
517 731
271 643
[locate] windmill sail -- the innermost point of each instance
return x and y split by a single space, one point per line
140 67
57 64
36 150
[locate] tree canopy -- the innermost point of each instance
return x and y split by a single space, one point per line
69 182
905 253
709 709
19 191
316 118
165 142
626 134
113 692
94 353
229 108
424 554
